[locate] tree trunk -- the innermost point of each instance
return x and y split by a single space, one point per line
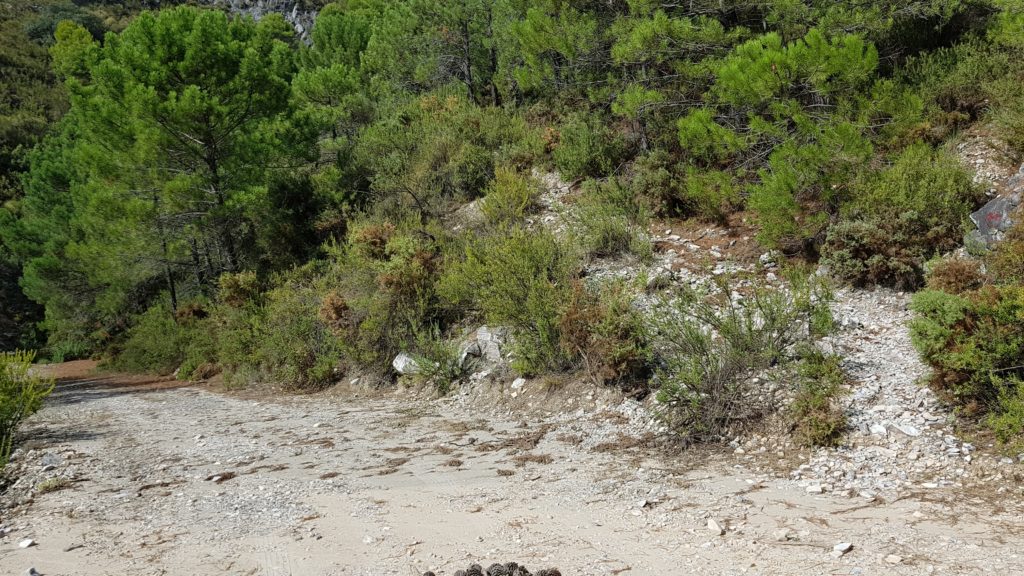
222 223
495 96
168 274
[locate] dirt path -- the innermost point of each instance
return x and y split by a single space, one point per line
183 480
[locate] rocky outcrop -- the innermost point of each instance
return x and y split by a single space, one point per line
300 14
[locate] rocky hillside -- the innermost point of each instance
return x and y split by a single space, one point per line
299 13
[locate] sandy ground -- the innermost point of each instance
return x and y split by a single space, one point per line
172 479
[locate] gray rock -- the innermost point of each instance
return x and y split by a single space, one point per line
51 459
405 364
484 345
715 528
995 217
843 547
908 429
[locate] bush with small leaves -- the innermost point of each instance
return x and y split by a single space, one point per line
955 275
608 221
712 346
520 279
899 218
295 347
817 420
974 343
21 394
1005 261
509 197
588 147
608 337
155 343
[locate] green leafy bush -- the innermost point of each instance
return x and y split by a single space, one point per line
817 420
380 291
602 331
1007 420
609 221
680 190
155 343
509 197
520 279
438 361
432 152
868 251
899 218
235 326
713 347
588 147
1006 261
21 395
974 343
294 346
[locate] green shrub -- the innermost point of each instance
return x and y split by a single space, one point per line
588 147
928 182
155 343
1005 261
295 348
509 197
21 395
817 420
714 346
238 290
235 331
66 349
601 330
974 343
380 291
428 154
679 190
954 80
899 218
869 251
520 279
438 360
1007 420
608 221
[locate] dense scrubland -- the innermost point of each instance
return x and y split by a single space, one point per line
185 190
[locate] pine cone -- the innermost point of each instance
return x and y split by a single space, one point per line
497 570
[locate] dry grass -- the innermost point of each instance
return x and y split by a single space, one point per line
572 439
221 478
624 442
53 485
522 459
530 440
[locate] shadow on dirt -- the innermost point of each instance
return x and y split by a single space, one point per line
76 391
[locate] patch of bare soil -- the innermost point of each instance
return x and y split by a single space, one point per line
166 479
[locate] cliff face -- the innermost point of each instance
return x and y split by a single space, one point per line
300 13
